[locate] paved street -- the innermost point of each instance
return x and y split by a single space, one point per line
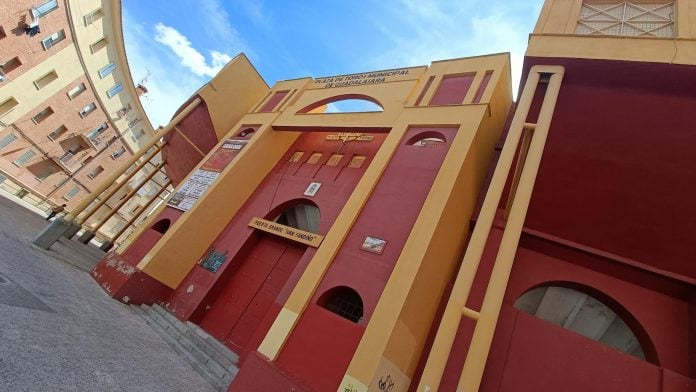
60 332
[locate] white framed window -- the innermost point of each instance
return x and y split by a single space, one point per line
117 227
88 109
53 39
114 90
46 80
55 134
8 105
107 69
42 115
77 90
100 44
124 110
655 19
93 16
97 171
24 158
97 131
61 182
7 140
118 153
132 122
10 65
71 193
42 10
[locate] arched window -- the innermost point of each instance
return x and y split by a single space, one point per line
344 302
425 139
582 314
301 216
247 133
162 226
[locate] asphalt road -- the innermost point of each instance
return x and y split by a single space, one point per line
60 332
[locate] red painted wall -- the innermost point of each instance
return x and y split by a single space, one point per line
149 237
389 214
619 162
286 182
324 337
523 345
180 156
452 89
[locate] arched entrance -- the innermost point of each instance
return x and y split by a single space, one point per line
261 269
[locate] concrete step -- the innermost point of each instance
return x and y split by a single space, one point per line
224 351
214 366
202 340
178 330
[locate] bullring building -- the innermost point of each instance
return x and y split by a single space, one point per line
439 236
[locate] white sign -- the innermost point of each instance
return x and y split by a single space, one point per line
194 187
312 189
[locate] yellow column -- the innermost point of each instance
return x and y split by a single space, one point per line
117 173
118 186
125 200
479 348
140 212
487 318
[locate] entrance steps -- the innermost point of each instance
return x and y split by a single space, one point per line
216 363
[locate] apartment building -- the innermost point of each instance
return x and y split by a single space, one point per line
69 108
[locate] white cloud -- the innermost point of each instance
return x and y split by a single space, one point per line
166 93
188 56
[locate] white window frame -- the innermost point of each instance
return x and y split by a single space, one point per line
46 79
93 16
77 90
44 9
88 109
118 153
52 40
55 134
71 193
113 91
105 70
24 158
7 140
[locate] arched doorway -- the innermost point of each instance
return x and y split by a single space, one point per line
258 273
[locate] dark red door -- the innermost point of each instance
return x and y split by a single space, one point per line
242 304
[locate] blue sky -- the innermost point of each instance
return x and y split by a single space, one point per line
182 44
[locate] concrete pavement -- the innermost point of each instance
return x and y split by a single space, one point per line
58 329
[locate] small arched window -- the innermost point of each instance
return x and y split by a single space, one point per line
247 133
162 226
343 301
426 139
583 314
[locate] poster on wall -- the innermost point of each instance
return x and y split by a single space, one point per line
194 187
224 155
199 182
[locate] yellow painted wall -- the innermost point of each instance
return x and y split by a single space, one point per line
399 326
232 92
394 339
29 97
188 238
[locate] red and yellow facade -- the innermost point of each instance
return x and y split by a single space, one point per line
432 244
